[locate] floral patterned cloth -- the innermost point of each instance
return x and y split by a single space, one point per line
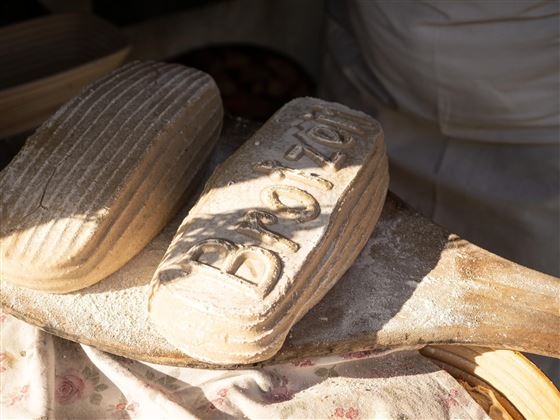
43 376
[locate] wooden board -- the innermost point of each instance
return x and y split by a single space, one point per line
413 284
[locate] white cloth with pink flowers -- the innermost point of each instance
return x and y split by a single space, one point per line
43 376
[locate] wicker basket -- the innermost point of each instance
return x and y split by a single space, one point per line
519 386
46 61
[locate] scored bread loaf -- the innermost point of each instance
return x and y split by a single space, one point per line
277 225
99 179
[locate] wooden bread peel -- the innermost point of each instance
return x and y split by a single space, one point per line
413 284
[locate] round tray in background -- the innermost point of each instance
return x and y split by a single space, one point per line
46 61
519 386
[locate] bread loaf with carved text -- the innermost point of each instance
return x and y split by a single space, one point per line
276 226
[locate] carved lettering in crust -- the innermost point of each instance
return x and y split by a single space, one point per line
263 267
348 121
331 163
277 172
328 127
330 137
307 209
254 225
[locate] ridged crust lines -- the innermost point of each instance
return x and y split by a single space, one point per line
92 96
326 257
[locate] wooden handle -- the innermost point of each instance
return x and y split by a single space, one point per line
503 304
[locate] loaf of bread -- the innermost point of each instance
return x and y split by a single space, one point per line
277 225
98 180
